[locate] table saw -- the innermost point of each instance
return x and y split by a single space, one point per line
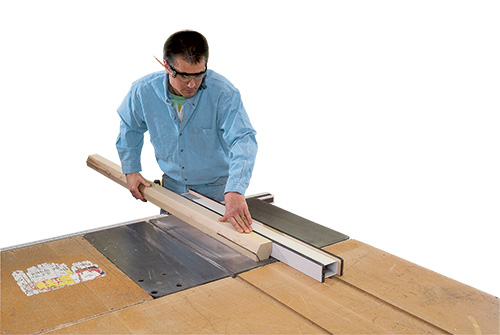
161 275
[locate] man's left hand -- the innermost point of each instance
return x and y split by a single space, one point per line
237 212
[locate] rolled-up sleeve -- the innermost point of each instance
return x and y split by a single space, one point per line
131 137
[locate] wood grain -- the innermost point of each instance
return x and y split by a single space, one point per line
226 306
334 305
439 300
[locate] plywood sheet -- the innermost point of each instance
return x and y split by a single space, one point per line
227 306
74 293
446 303
335 306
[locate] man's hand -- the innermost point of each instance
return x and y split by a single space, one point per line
134 180
237 212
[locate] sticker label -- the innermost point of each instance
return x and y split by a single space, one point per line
50 276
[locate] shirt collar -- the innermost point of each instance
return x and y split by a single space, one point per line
203 85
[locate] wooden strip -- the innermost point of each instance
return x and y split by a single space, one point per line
334 305
301 256
66 297
252 245
446 303
227 306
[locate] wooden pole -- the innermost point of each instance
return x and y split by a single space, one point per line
251 245
312 261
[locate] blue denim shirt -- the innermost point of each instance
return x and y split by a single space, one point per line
215 140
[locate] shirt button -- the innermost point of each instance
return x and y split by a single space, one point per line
182 168
182 150
185 179
180 134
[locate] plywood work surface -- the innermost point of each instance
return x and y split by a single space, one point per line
452 306
226 306
72 281
334 305
68 287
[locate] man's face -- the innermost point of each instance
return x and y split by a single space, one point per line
188 79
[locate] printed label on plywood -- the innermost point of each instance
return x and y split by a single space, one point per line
50 276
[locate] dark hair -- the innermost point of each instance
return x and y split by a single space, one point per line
190 45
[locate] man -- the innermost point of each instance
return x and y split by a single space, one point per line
200 131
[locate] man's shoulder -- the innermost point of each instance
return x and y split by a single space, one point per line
155 78
216 81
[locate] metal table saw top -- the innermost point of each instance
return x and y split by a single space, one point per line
164 255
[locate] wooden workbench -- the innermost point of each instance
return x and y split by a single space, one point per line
379 293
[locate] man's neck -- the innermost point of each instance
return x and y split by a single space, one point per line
172 90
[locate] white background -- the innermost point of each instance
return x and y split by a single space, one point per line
379 119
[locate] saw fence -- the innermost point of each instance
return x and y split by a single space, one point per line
171 274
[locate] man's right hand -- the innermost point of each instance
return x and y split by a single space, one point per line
134 180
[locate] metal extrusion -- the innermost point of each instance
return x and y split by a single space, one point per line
307 258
